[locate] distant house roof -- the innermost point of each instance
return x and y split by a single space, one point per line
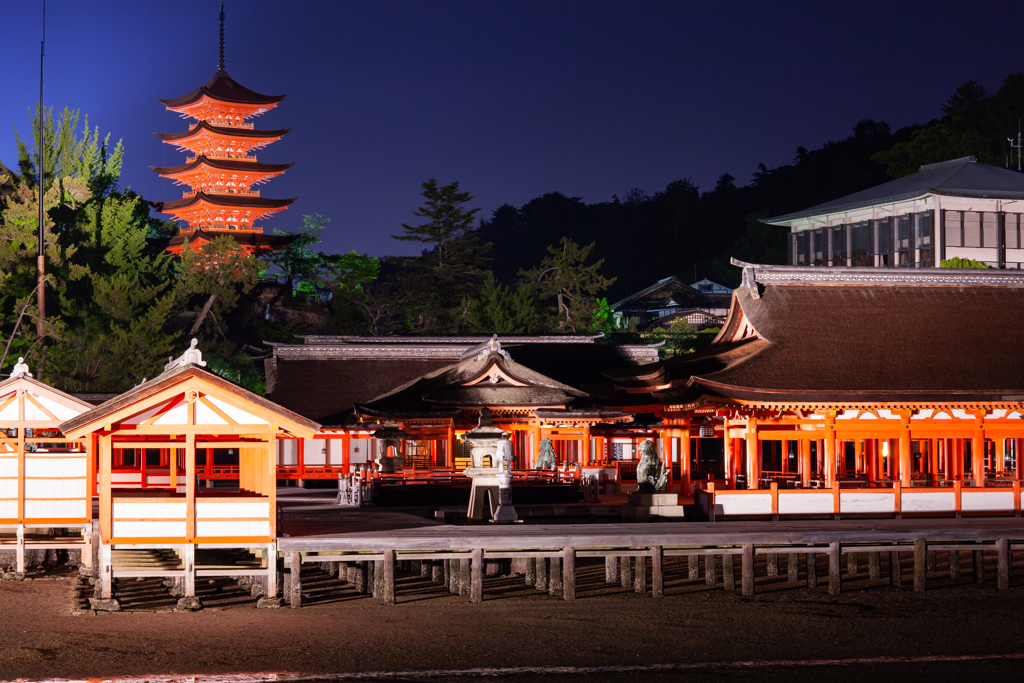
853 335
957 178
660 289
707 285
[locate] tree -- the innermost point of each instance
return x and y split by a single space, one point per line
298 262
565 277
218 274
499 310
452 265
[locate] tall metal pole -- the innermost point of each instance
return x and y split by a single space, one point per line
41 287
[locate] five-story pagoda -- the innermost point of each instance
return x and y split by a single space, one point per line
222 171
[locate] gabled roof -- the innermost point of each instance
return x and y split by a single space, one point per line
226 131
94 419
241 165
487 378
957 178
855 335
37 403
669 284
224 89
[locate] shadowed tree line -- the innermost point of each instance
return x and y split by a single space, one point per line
118 305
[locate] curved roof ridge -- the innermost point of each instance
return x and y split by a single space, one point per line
222 88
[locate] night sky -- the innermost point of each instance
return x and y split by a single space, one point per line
512 99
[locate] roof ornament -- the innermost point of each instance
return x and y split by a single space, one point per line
493 346
750 282
192 356
220 64
20 369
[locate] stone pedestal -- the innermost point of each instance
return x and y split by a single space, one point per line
646 505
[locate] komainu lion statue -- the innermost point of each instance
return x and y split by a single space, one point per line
546 458
650 473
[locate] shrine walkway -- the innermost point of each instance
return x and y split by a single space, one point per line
635 553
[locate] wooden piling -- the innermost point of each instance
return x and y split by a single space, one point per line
436 572
728 573
954 565
1003 564
569 573
792 567
895 570
626 570
710 570
294 561
465 576
747 571
531 571
476 591
388 592
378 578
834 580
852 564
920 565
425 568
555 576
360 578
541 581
874 566
773 564
979 566
812 570
657 576
611 569
693 562
640 575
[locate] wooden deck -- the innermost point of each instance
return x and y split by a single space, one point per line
665 535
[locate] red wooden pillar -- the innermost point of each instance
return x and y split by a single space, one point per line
300 456
346 453
684 458
450 456
145 474
753 454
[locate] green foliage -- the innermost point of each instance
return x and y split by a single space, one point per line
452 265
679 338
974 123
957 262
298 262
565 279
499 310
603 321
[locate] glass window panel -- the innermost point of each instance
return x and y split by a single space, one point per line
817 247
990 229
952 226
972 229
924 229
860 244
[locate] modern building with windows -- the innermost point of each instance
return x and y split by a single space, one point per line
960 208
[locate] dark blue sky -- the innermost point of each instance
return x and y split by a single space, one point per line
512 99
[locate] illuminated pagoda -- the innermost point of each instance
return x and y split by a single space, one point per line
222 171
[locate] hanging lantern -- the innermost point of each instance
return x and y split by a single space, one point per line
706 429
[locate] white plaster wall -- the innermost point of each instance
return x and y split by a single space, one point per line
986 500
55 509
867 502
804 503
927 501
361 450
287 452
746 504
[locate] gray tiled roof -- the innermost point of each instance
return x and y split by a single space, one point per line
957 178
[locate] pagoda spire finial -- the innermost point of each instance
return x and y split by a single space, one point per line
220 64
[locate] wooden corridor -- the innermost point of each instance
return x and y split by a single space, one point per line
551 551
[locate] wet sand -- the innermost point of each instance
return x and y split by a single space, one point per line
45 636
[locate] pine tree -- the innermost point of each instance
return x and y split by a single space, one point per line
453 264
565 277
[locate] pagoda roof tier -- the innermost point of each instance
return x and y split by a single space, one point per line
223 89
237 165
250 241
224 200
206 129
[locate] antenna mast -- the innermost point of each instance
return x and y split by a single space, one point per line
41 263
1017 145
